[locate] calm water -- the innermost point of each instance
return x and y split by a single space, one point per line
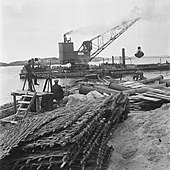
10 81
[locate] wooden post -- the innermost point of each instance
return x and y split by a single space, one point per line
123 57
37 105
15 104
113 60
24 84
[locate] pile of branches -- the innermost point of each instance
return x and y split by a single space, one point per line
7 109
67 138
145 105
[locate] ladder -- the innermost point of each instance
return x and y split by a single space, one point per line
25 105
22 111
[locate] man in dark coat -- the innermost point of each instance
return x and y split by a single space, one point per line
30 73
58 93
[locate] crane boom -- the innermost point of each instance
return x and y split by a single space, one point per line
90 48
100 43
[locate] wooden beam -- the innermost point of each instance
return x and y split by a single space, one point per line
15 103
156 95
37 105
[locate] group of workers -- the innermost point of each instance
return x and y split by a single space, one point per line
138 76
58 93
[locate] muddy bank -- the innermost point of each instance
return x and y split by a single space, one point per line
142 141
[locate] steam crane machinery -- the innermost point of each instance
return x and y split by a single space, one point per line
90 48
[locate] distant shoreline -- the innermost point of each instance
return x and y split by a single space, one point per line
56 60
7 65
53 60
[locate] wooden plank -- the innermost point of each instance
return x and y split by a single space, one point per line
127 82
131 85
138 86
19 115
24 102
22 109
159 95
140 96
149 98
8 121
25 95
21 92
127 85
24 92
42 93
134 84
149 94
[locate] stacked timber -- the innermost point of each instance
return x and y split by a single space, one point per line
67 138
142 103
133 88
142 96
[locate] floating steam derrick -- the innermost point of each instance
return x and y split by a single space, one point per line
90 48
73 137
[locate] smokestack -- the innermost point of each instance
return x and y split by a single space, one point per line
123 57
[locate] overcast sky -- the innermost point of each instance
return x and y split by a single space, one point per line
33 28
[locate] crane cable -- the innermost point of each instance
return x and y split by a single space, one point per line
139 32
139 53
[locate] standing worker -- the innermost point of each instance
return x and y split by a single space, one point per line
58 93
30 73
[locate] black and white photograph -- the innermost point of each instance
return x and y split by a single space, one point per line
84 84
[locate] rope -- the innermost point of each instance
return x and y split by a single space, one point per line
139 32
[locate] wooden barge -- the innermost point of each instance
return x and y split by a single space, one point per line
108 69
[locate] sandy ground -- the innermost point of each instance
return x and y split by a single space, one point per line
142 142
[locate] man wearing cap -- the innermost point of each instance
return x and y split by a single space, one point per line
58 93
30 73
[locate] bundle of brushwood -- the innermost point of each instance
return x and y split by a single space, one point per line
144 105
7 109
66 138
